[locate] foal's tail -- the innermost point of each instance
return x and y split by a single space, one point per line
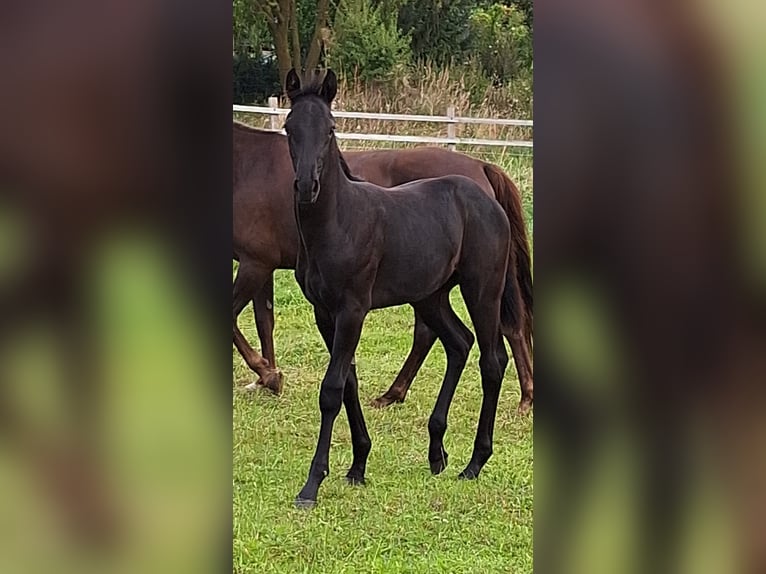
516 311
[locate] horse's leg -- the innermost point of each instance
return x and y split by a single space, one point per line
360 438
263 310
457 341
522 358
484 309
422 342
348 328
249 279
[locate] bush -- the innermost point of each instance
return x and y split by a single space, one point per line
502 42
366 42
255 78
438 29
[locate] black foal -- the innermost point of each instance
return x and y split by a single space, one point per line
365 247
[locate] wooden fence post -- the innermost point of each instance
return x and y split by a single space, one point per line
273 118
451 127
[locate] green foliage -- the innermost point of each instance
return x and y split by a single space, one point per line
249 30
254 73
487 44
525 7
502 42
366 42
255 79
437 28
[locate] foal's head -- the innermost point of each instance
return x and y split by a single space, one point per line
310 129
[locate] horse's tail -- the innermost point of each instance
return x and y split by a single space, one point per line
516 311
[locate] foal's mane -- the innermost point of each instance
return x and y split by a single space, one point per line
347 170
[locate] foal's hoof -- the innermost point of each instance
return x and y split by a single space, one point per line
305 503
438 466
385 400
355 480
468 474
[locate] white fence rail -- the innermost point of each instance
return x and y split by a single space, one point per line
277 115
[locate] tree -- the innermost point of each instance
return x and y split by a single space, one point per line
501 40
366 41
249 31
282 19
438 28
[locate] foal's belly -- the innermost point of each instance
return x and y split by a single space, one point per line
412 279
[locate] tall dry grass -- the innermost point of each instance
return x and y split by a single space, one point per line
429 90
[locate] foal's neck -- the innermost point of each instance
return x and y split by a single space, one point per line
322 216
333 179
332 182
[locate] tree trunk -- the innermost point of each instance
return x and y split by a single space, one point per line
315 50
277 15
283 56
296 48
282 17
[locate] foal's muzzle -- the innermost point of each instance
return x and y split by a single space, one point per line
306 191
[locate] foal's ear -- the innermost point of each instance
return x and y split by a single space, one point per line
329 87
292 83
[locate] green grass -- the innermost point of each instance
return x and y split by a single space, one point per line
404 519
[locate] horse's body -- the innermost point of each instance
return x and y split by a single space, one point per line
266 238
440 204
388 168
364 247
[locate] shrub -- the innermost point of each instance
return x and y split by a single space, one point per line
255 78
502 42
366 42
438 29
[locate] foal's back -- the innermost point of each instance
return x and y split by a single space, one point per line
423 232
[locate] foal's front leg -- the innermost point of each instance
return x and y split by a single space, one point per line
360 438
348 328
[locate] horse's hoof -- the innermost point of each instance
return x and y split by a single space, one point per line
305 503
384 401
468 474
252 387
438 466
524 407
355 480
272 382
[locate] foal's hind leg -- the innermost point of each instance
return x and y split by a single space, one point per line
422 342
457 340
484 309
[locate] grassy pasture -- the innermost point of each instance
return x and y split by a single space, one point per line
404 519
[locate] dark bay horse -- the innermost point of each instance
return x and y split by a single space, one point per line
365 247
265 238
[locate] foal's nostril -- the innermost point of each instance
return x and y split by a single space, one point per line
315 187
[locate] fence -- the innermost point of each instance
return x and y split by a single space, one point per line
451 120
